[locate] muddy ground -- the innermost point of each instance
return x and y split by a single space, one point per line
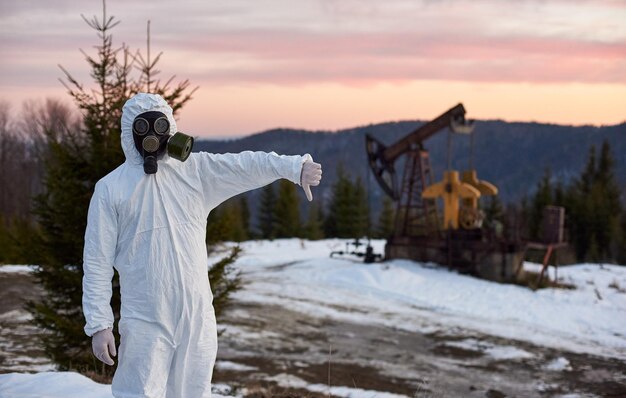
268 350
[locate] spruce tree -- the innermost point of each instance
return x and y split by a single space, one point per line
314 226
522 214
560 198
222 223
542 198
339 211
588 175
593 209
348 213
266 212
76 159
244 208
494 211
607 207
227 222
384 227
286 211
229 281
360 209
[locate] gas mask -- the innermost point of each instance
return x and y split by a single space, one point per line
151 132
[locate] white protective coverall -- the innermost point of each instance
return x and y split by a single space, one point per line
152 229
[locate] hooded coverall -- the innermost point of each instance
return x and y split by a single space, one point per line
151 228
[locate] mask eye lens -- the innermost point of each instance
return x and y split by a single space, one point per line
140 126
162 125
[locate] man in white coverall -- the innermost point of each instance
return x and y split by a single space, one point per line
147 218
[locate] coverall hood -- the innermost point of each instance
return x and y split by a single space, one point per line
136 105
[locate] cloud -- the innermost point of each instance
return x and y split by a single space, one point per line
352 42
287 58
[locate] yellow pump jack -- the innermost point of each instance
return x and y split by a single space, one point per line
470 216
468 190
485 188
451 189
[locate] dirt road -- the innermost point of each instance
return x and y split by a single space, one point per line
270 350
278 342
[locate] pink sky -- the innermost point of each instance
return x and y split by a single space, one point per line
331 64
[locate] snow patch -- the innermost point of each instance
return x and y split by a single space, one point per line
497 352
228 365
52 385
16 316
58 385
17 268
507 352
558 365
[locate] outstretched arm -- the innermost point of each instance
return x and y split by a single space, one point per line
229 174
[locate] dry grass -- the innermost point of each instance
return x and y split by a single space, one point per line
530 279
615 285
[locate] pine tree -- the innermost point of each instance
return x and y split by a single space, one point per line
224 281
494 211
339 211
245 216
286 211
560 198
313 228
607 206
384 227
542 198
522 215
594 209
360 210
348 211
577 198
226 223
266 212
76 159
587 177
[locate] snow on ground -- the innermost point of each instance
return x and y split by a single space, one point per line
74 385
416 296
17 268
558 364
57 385
228 365
52 385
405 295
424 297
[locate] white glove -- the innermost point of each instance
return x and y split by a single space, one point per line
311 176
102 343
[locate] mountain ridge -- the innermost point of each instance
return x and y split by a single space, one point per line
511 155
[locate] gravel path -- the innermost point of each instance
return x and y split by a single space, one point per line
271 350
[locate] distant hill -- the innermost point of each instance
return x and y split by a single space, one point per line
513 156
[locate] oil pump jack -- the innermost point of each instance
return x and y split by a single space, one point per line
458 239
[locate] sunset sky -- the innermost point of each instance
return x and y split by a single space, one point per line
331 64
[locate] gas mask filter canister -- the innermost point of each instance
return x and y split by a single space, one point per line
151 133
